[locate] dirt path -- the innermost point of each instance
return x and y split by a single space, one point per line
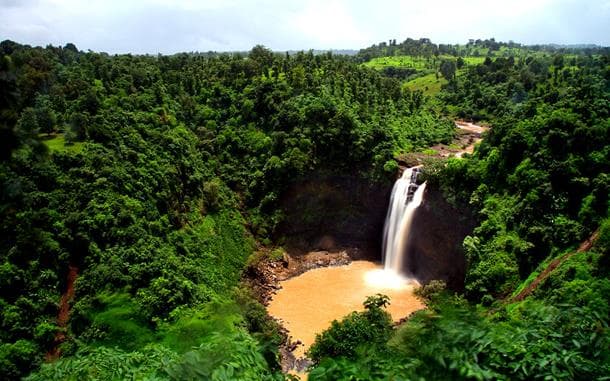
585 246
470 127
63 315
474 132
468 136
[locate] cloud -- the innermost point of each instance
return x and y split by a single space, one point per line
16 3
169 26
328 23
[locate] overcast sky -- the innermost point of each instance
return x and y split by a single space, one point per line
169 26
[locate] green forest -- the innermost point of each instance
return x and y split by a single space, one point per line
145 186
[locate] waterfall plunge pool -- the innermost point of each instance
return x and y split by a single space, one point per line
308 303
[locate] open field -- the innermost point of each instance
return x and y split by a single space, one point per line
57 143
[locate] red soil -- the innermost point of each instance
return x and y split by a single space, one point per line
585 246
63 314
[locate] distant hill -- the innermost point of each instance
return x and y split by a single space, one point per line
343 52
425 47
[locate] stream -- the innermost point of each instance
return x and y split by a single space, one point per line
474 129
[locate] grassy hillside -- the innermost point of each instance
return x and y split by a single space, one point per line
420 73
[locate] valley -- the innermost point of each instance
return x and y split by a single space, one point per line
415 210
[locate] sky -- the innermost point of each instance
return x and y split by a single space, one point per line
170 26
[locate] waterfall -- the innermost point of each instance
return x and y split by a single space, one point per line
406 197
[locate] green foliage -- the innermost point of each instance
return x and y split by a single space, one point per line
398 61
538 180
44 333
201 344
233 357
276 254
45 116
191 327
113 364
211 192
447 69
452 340
474 52
376 303
17 358
422 73
581 280
494 270
371 365
419 130
356 330
257 322
116 321
602 244
506 348
428 292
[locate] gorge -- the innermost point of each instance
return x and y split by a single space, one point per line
306 304
158 210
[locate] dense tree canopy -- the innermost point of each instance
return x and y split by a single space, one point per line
154 175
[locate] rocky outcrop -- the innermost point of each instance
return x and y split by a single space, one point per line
264 277
435 245
333 213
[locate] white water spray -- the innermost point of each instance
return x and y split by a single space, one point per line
406 196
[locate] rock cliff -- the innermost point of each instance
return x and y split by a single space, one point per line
435 245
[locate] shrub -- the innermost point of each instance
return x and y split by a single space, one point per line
370 327
18 358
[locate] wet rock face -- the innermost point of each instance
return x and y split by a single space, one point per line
346 212
435 245
335 212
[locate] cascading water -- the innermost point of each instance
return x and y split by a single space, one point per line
406 196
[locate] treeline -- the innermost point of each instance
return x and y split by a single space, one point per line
424 47
539 184
155 177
